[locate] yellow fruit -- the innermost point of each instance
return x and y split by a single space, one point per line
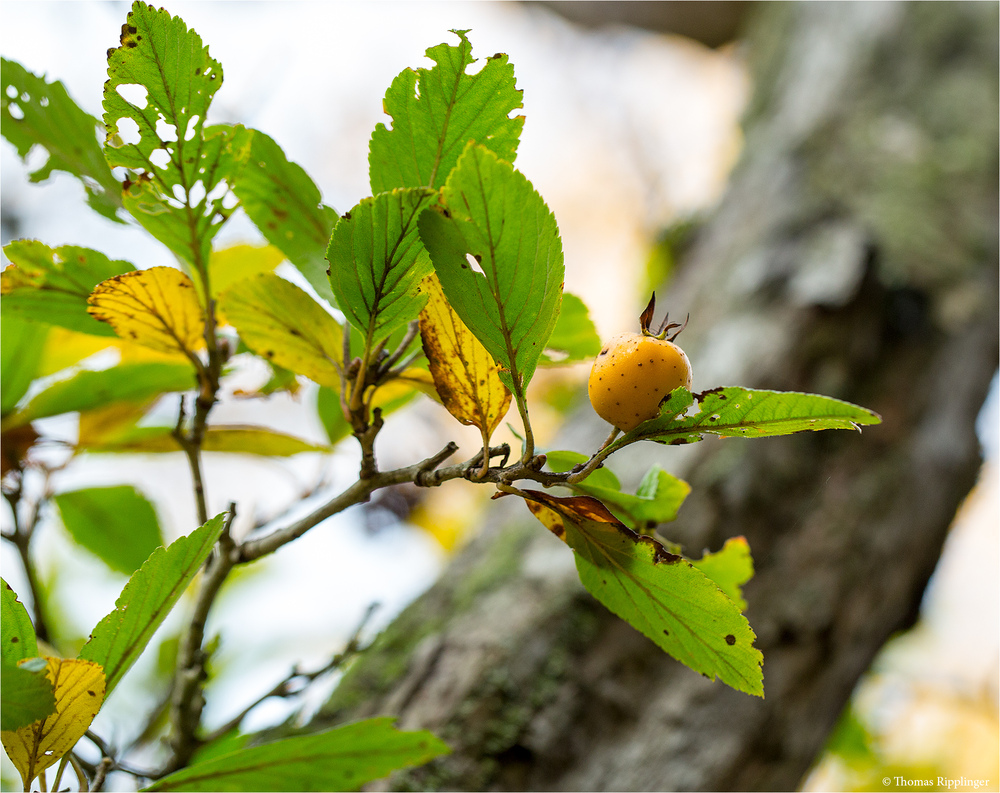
631 376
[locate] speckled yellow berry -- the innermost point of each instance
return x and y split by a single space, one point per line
631 376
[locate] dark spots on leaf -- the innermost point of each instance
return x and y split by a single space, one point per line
718 391
730 640
131 44
678 442
345 216
131 28
197 70
446 212
14 639
268 353
666 632
294 332
92 693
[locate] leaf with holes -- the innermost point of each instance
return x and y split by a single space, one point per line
377 262
283 324
745 413
161 81
436 112
147 598
285 204
51 285
38 113
78 687
344 758
660 594
157 308
117 524
465 374
496 248
26 695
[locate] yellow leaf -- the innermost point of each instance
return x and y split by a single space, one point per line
78 687
283 324
157 308
465 374
64 347
237 262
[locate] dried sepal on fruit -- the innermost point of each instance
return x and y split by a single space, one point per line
634 372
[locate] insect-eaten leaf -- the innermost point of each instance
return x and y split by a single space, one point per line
281 323
656 500
344 758
465 374
48 117
660 594
78 687
51 285
496 249
745 413
377 262
436 112
162 79
157 308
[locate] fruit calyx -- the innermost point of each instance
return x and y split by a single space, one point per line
646 319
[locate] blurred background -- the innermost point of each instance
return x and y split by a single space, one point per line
630 134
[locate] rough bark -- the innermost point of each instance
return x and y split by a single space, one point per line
855 255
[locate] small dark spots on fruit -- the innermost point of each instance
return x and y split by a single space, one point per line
730 639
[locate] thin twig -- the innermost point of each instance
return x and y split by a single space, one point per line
284 689
188 701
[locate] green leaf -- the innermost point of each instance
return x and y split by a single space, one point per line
730 568
21 347
147 598
285 204
377 262
117 524
46 116
17 634
746 413
436 112
181 161
127 382
660 594
510 297
574 337
656 500
27 696
283 324
186 225
233 440
344 758
51 285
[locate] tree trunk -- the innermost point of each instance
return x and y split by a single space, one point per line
855 255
